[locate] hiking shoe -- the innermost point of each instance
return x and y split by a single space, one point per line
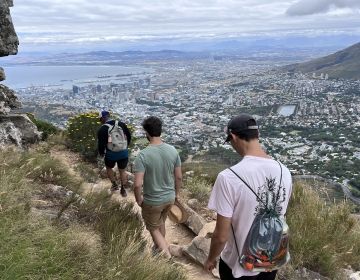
154 250
114 188
123 192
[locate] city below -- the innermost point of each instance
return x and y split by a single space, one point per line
308 121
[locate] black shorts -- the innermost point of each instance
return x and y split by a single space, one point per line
121 163
226 274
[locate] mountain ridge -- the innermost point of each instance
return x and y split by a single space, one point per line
344 64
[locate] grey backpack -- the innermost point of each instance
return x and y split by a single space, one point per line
117 140
266 246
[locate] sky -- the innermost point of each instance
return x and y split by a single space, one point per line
42 24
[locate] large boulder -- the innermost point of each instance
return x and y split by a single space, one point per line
355 276
2 74
198 250
14 129
17 130
8 100
208 230
8 39
195 222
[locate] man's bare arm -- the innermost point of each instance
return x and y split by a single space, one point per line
178 180
218 241
139 177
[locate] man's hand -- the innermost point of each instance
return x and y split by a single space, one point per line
209 265
140 201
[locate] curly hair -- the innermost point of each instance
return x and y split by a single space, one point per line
153 126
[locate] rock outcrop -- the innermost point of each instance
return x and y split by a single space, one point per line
14 128
8 39
17 130
8 100
2 74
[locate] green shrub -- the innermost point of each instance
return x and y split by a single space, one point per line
324 237
46 128
45 169
82 132
198 188
59 140
212 169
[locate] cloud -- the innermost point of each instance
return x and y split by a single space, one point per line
77 22
310 7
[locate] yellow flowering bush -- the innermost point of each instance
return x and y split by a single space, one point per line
82 132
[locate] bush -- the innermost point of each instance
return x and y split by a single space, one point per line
82 132
324 238
198 188
211 169
46 128
45 169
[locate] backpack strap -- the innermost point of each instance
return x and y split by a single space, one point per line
111 127
246 184
252 189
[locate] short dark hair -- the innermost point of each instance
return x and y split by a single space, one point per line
248 134
153 126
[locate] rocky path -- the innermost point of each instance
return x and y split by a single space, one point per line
176 234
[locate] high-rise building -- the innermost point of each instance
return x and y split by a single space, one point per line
76 89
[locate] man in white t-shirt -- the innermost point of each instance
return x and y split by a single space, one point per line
236 205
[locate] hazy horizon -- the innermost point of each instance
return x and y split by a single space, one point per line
75 25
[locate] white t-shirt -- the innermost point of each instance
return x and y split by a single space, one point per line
231 198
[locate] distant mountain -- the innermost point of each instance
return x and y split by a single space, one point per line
107 58
342 64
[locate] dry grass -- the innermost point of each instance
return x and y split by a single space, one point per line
106 243
198 188
324 237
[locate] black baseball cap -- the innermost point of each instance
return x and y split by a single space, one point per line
104 114
242 122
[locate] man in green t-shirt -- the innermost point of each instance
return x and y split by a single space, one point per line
158 173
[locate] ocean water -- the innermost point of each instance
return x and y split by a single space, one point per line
65 76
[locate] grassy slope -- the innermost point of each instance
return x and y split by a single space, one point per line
105 243
324 236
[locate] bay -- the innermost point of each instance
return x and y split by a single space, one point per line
18 77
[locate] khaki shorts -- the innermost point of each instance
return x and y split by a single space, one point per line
155 216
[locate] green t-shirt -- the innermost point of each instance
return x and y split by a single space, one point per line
158 163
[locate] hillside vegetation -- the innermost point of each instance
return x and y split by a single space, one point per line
325 237
93 237
342 64
99 239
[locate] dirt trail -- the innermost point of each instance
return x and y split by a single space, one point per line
175 233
